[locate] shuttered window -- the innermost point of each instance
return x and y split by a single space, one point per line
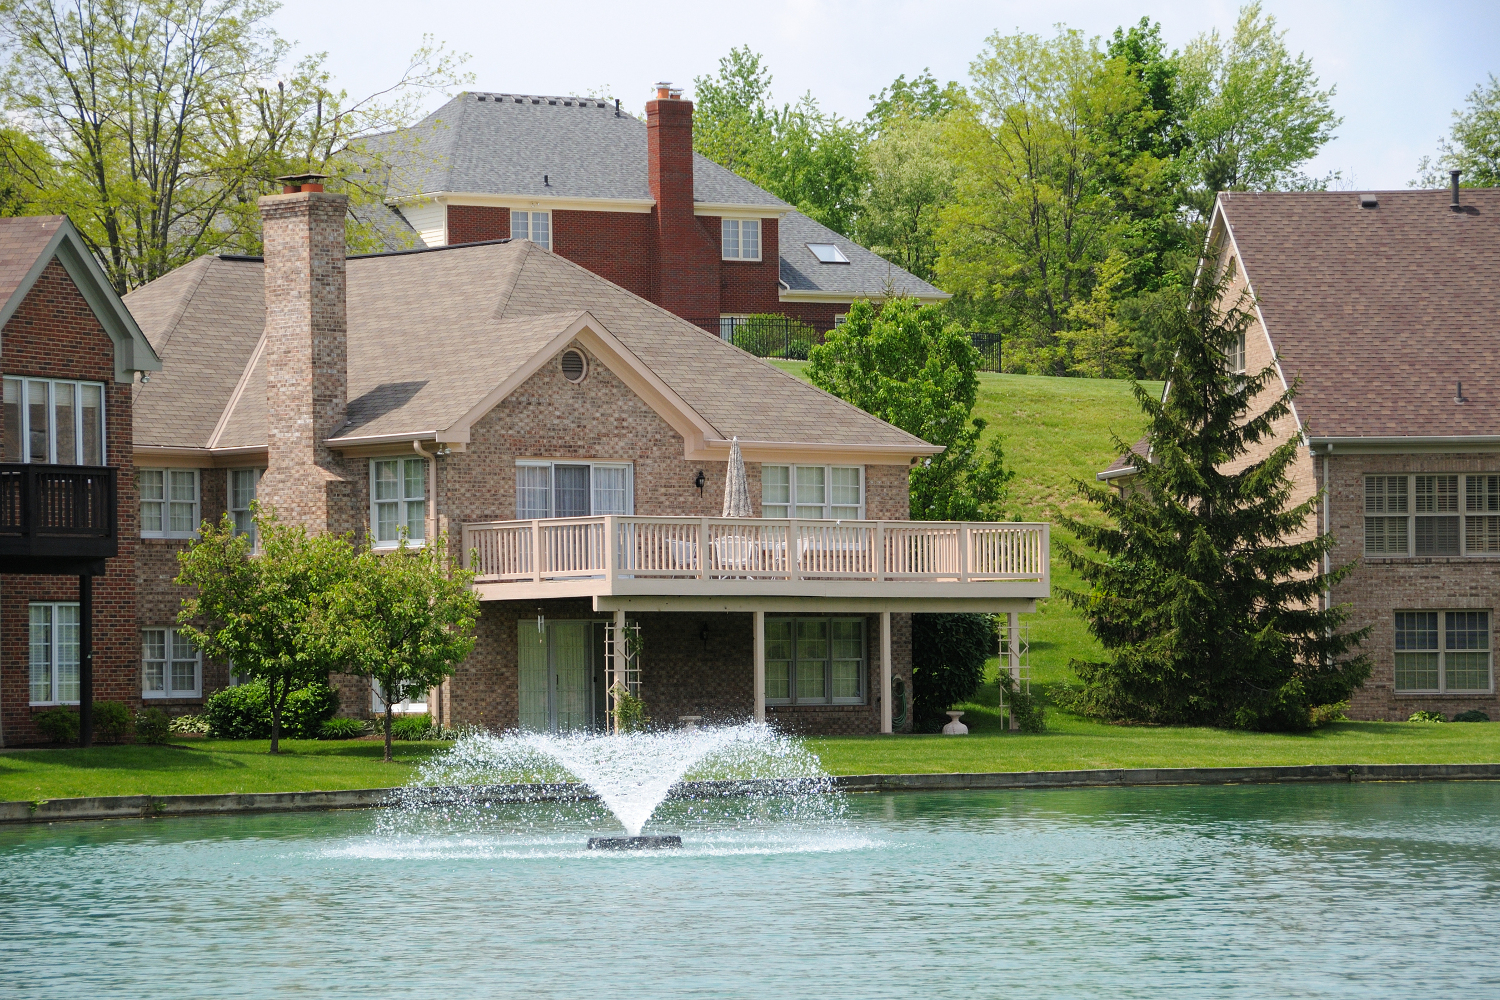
1432 514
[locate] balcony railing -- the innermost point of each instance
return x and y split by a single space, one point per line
58 511
706 549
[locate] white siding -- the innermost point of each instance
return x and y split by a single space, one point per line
430 220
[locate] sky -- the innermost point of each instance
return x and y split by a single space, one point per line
1399 68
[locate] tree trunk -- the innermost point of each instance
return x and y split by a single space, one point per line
388 712
275 718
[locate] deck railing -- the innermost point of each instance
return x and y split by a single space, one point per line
711 548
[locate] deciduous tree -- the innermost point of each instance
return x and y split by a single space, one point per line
1473 145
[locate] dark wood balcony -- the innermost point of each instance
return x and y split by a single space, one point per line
61 519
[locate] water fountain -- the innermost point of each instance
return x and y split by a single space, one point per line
760 772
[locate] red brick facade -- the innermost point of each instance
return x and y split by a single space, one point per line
476 223
55 334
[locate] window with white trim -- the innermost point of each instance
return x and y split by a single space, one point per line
1432 514
812 491
741 239
242 485
815 661
1443 652
533 226
54 421
398 500
171 666
415 702
573 489
55 641
169 503
1235 359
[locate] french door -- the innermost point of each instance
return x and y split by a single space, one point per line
556 675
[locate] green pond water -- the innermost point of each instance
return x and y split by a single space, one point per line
1366 890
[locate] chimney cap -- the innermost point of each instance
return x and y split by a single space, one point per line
294 183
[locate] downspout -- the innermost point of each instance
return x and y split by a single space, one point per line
1327 499
434 695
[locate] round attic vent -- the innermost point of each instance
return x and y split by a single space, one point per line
574 368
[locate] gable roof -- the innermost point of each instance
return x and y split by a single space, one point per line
541 147
1382 311
435 337
867 275
29 243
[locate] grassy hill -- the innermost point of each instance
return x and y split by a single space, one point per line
1055 431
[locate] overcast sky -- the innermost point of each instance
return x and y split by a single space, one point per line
1400 68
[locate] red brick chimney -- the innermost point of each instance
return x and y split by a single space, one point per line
688 259
306 354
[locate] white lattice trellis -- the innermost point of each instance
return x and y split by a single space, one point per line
630 678
1016 661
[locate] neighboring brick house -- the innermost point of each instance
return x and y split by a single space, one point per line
575 438
69 350
630 201
1386 307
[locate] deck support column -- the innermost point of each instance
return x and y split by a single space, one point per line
885 672
85 660
621 662
760 664
1013 657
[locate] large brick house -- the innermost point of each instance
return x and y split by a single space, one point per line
1386 307
630 201
69 351
572 439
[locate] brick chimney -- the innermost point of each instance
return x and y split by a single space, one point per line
688 259
306 354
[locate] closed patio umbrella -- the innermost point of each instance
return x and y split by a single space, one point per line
736 485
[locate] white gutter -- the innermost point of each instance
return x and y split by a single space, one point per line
1413 442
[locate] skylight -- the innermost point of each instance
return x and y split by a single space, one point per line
828 253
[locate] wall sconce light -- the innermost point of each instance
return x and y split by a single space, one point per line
699 482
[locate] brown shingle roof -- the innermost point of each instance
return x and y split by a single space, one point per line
432 334
21 241
1380 311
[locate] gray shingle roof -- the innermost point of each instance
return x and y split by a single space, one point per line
432 334
1380 311
866 275
506 144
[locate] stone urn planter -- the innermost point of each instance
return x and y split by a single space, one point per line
689 721
954 727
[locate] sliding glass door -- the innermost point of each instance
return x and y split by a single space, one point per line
556 675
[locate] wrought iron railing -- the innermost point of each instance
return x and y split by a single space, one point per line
774 336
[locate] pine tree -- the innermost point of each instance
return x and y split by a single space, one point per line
1211 612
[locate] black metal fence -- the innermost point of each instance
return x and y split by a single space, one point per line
773 336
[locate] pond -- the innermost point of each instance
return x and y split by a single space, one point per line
1365 890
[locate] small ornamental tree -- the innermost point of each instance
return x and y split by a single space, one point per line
406 617
264 610
906 365
1210 610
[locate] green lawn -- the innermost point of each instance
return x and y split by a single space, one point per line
198 766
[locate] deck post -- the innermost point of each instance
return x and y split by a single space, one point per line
85 660
885 671
621 662
536 550
1013 659
760 665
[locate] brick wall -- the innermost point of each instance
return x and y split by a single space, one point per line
1379 585
689 257
54 334
748 286
474 223
618 246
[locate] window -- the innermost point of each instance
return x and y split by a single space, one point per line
54 422
815 661
812 491
171 666
741 239
1235 360
1432 515
54 654
415 702
533 226
398 500
573 489
242 483
827 253
1443 651
169 503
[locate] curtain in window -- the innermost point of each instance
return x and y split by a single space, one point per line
533 492
611 490
531 647
571 485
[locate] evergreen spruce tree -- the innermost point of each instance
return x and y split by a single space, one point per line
1211 612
